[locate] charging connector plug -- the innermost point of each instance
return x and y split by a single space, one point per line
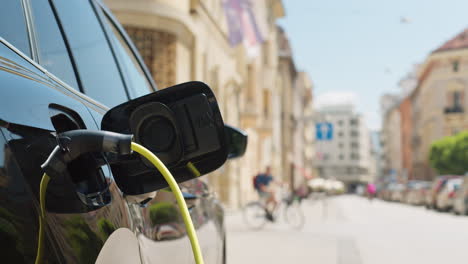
74 143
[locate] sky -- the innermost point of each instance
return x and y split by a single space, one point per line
356 50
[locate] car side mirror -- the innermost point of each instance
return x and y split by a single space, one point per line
236 141
181 124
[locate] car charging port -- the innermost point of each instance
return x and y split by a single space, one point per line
85 187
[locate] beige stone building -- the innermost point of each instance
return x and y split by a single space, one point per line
391 142
343 144
439 102
434 109
188 40
287 74
303 132
309 144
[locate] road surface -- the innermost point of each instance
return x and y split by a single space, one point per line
351 230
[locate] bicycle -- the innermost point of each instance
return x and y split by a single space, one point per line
256 215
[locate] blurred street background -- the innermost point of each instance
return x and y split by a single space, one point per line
287 74
353 230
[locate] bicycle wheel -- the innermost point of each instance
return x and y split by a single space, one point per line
294 215
255 215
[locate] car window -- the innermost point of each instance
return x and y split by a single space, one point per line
13 25
137 83
96 66
53 54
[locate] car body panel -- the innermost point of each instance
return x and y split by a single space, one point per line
28 129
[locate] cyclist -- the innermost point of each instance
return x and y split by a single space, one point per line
263 185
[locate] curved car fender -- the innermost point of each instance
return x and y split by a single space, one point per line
120 247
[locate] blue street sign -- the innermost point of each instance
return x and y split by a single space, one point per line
324 131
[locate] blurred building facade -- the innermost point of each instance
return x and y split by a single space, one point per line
347 155
405 136
190 40
301 119
433 108
304 113
377 156
391 136
287 74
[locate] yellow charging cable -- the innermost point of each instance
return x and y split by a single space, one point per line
172 184
42 195
178 195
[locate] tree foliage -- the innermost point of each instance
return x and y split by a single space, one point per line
449 155
106 227
163 213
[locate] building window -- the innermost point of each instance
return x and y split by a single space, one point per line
250 83
266 53
340 122
353 122
354 145
457 99
341 156
455 66
340 134
354 133
158 51
354 156
214 80
340 145
455 102
266 103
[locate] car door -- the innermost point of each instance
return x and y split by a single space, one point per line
33 108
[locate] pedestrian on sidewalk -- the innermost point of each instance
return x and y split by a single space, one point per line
371 190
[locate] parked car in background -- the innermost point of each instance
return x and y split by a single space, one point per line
416 192
383 192
437 184
445 197
389 191
460 203
397 192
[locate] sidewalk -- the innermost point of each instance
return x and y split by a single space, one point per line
279 244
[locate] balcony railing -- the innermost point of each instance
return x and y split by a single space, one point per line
453 110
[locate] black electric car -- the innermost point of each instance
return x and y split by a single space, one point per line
63 65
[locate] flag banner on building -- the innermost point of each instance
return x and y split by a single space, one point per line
242 25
